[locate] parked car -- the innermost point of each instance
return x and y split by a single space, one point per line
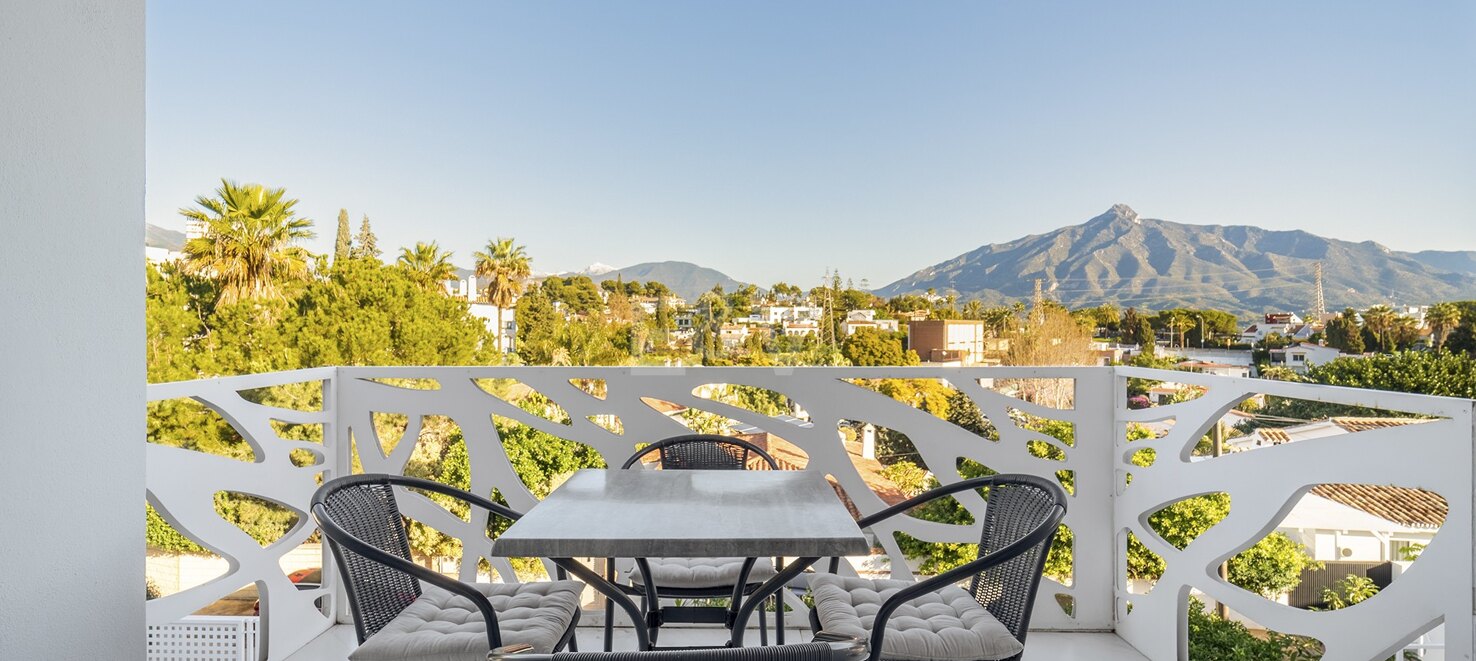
305 579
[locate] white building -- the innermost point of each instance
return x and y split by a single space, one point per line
775 314
733 335
159 255
801 328
488 314
858 319
1280 323
1301 356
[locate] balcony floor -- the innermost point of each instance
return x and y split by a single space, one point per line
338 642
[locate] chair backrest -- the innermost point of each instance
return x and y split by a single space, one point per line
1017 506
703 452
365 508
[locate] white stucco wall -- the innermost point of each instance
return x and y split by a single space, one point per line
72 396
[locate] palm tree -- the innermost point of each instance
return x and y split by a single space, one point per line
1379 320
1442 317
428 264
249 240
506 265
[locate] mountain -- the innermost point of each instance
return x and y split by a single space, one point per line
595 269
683 278
1121 257
1455 261
159 237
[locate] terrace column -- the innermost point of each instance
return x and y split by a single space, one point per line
72 392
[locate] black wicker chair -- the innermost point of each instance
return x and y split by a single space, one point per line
833 649
361 520
697 452
1020 520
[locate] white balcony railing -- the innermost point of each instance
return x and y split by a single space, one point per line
1106 505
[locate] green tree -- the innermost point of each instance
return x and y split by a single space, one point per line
1349 590
368 313
428 265
343 246
871 347
1272 566
366 245
1343 332
249 241
506 265
538 325
1443 318
1136 329
1379 322
578 294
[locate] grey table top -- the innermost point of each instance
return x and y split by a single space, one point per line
686 513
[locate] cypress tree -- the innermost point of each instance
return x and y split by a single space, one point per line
367 245
344 245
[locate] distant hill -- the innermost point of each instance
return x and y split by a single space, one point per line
1148 263
1455 261
159 237
683 278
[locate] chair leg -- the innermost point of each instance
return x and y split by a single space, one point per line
779 617
609 606
763 627
571 636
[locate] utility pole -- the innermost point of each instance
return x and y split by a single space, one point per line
1036 311
1319 307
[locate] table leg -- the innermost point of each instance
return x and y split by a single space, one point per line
779 607
769 587
594 580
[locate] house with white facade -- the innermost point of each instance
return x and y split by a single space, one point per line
1280 323
733 335
858 319
1302 356
800 328
776 314
488 314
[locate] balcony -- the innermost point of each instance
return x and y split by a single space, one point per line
304 426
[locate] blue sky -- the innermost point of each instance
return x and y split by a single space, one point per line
774 140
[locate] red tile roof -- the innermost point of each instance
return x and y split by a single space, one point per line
1415 508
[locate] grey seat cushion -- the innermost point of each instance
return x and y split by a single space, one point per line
441 626
693 573
943 625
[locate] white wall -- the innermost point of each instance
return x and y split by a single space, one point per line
72 396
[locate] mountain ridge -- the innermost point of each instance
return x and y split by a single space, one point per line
1119 256
685 279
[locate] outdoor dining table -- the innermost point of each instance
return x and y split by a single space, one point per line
686 513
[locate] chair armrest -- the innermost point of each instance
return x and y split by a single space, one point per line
447 490
343 538
1038 535
945 490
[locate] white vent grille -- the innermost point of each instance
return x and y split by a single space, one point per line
205 638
